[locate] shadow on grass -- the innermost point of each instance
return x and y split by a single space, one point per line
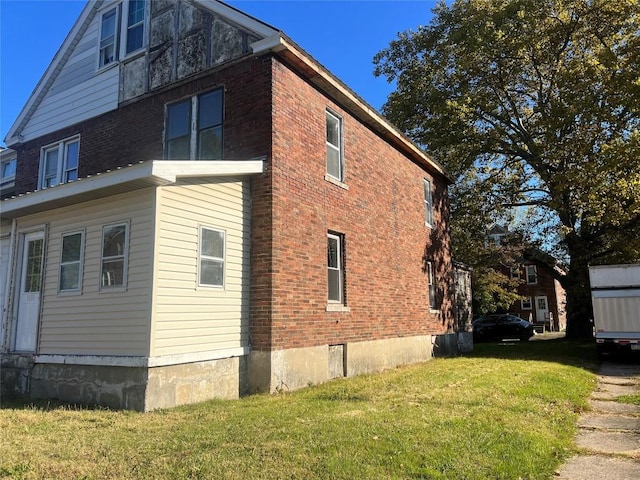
578 353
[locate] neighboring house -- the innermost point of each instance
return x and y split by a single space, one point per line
544 298
8 162
211 213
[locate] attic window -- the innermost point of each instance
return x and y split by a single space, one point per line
8 172
122 31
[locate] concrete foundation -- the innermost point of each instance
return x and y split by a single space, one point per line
124 387
291 369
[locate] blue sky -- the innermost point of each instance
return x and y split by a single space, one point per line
343 35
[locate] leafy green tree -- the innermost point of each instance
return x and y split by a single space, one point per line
542 98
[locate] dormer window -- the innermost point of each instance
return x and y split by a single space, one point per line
121 31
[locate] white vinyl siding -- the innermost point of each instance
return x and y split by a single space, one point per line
86 100
94 322
189 318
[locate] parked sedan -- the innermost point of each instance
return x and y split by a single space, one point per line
501 326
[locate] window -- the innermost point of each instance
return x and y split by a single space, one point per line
526 303
115 245
211 257
71 261
128 18
335 161
59 163
532 274
428 203
8 172
108 47
515 272
135 25
432 286
335 268
200 140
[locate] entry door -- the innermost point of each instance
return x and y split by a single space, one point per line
29 293
542 309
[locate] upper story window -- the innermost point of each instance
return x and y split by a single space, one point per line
532 274
515 272
121 31
428 204
8 172
59 163
335 160
186 139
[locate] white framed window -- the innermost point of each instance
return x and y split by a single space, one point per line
335 268
59 163
212 257
114 258
71 260
335 156
532 274
431 278
122 31
193 127
8 172
526 304
428 203
515 272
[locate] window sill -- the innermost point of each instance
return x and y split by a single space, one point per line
118 289
337 307
69 293
435 312
336 182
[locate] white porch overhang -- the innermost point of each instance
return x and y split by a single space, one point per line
125 179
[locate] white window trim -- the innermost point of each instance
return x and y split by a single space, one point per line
125 266
428 202
206 257
62 160
535 272
80 263
339 148
530 301
515 272
9 181
340 269
121 32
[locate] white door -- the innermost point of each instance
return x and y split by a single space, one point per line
542 309
29 292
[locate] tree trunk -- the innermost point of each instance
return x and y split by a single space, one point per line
578 289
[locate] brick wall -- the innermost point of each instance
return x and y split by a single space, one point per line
381 215
134 132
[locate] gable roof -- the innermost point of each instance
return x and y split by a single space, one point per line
272 41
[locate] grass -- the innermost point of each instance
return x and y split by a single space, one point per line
503 412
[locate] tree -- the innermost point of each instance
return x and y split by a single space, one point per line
541 98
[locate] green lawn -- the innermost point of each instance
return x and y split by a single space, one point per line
503 412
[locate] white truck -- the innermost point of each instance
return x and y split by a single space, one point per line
615 292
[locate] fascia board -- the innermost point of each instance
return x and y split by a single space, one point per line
325 80
239 18
156 172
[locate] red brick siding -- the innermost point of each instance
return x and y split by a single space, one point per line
381 215
134 132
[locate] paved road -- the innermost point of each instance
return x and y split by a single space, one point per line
609 434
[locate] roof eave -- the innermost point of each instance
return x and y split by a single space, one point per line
322 78
142 175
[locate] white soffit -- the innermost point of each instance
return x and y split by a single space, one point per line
152 173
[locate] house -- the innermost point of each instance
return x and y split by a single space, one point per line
201 210
544 298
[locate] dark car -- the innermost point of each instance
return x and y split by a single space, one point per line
500 327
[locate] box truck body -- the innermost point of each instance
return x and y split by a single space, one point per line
615 292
